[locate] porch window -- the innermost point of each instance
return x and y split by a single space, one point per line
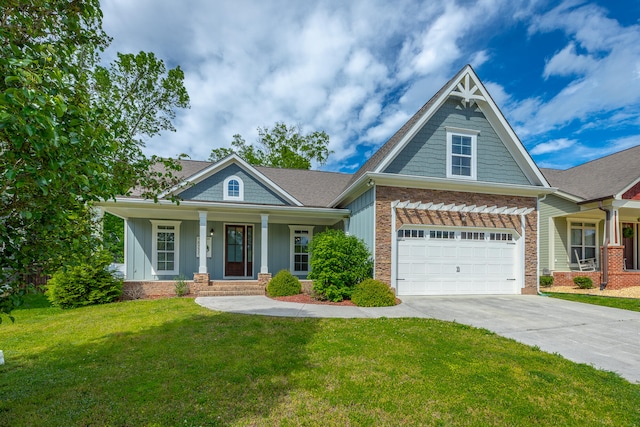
165 248
583 240
300 239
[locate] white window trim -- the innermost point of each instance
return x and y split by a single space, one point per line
154 248
570 223
292 230
225 190
473 134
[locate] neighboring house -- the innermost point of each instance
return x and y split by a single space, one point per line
449 205
593 216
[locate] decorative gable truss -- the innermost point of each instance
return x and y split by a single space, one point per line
469 89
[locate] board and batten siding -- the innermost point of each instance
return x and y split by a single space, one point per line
553 233
211 189
425 154
362 221
138 250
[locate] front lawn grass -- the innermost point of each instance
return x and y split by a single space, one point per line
171 362
632 304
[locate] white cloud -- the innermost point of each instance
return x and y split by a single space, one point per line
603 79
553 146
360 69
567 62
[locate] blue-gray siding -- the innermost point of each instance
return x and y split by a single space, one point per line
211 189
139 249
362 222
425 154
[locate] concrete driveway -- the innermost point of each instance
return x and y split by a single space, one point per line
606 338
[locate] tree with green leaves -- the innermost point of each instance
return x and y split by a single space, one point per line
281 147
71 132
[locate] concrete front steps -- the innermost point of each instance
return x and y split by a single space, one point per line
231 288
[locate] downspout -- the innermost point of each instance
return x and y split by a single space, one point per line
538 244
605 246
523 276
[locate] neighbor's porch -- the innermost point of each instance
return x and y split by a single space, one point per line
608 239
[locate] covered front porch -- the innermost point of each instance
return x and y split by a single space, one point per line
212 244
601 242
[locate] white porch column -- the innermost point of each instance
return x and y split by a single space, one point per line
346 225
203 242
614 228
264 258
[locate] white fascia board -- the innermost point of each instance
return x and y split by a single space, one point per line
444 184
627 188
568 196
216 167
129 203
464 185
625 203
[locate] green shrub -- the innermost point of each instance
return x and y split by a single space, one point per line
181 286
338 263
373 293
546 281
284 284
583 282
84 284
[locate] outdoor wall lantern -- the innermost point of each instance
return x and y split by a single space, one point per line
211 232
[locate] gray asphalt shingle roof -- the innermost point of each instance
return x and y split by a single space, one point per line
600 178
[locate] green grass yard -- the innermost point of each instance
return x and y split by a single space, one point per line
171 362
632 304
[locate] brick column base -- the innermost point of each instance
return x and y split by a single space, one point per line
264 278
201 279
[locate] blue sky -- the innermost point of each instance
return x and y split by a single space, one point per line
565 74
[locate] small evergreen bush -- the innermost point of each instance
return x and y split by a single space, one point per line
583 282
546 281
338 263
284 284
181 286
373 293
83 284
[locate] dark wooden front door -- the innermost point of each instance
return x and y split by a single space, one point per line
629 248
238 253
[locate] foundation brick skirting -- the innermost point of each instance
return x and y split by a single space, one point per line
166 288
386 195
617 277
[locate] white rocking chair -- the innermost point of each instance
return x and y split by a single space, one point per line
586 264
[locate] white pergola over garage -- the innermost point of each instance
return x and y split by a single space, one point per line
450 260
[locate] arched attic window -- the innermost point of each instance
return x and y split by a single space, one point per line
233 188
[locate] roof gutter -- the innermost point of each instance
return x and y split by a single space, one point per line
605 245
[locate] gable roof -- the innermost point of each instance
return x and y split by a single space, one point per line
467 86
603 178
309 188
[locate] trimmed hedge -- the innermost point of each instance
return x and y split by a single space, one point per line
546 281
373 293
583 282
284 284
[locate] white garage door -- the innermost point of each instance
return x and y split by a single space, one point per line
446 262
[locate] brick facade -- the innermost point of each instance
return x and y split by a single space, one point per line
617 278
385 195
